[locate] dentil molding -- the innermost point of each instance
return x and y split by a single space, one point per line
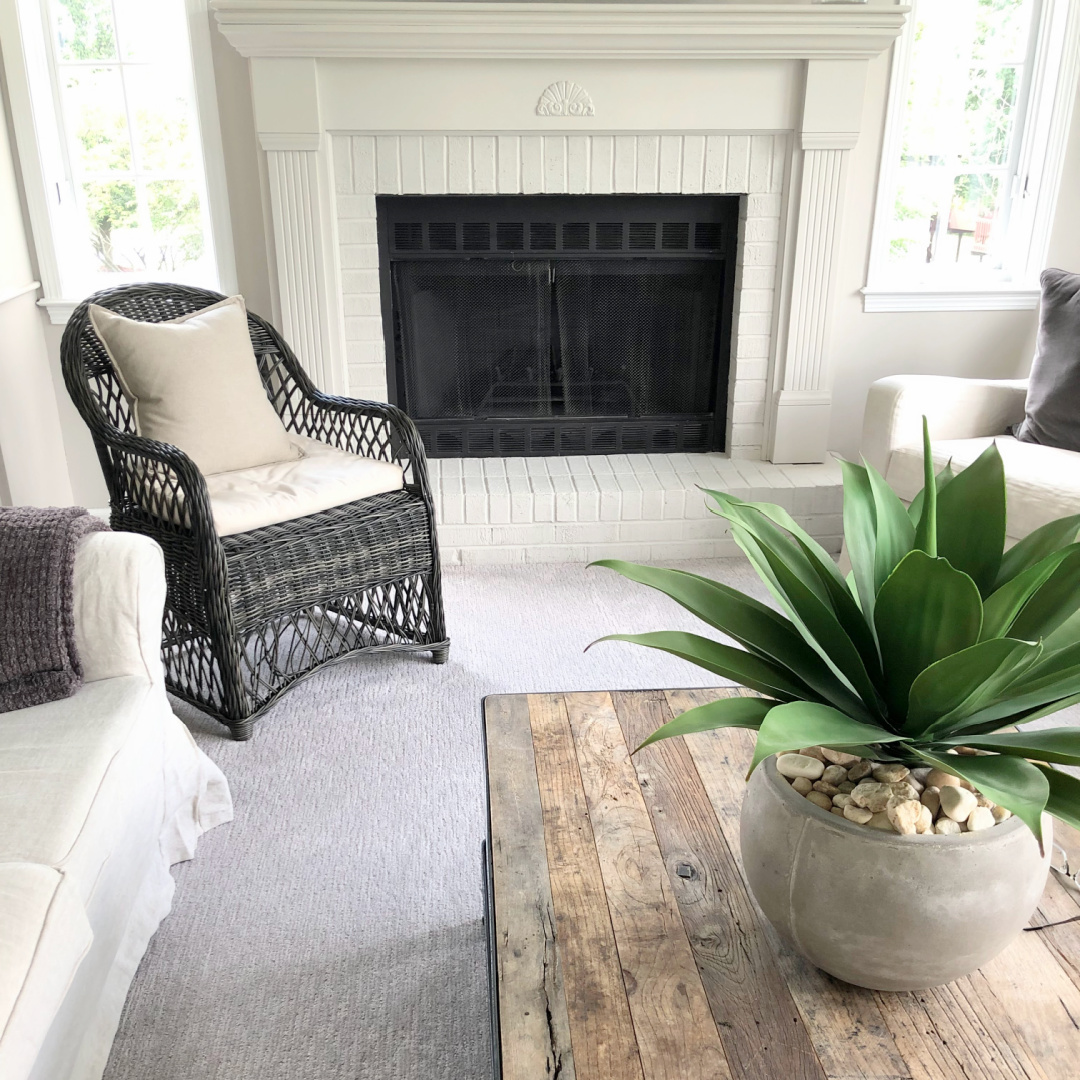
432 28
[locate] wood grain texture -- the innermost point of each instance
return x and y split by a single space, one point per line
622 910
761 1028
532 1003
601 1030
677 1038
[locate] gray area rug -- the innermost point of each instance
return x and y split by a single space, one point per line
333 930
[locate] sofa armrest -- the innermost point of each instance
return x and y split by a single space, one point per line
119 600
954 408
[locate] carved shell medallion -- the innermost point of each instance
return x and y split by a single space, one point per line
565 99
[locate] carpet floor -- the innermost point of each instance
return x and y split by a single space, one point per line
333 930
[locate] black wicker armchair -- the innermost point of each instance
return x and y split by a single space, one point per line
247 615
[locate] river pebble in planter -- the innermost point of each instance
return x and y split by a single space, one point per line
888 796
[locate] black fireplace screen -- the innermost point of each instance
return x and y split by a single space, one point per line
557 324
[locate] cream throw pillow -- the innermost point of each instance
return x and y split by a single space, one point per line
194 382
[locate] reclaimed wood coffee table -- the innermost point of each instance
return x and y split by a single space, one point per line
625 945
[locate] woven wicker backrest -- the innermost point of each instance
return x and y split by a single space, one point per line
87 365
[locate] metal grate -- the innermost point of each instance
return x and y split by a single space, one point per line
559 324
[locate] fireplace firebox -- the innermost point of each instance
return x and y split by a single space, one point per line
556 324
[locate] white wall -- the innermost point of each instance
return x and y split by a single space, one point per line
33 466
864 346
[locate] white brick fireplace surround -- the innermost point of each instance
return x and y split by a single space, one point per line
357 98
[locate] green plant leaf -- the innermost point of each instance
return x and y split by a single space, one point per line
758 628
958 685
971 519
926 530
895 533
1060 746
1008 781
806 723
724 660
1002 608
915 506
809 563
1034 547
1055 601
1064 799
744 712
819 624
860 534
926 610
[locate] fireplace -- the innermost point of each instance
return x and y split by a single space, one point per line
532 325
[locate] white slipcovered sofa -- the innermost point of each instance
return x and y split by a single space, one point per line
965 416
99 794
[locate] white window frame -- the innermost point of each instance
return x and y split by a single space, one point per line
1048 114
34 115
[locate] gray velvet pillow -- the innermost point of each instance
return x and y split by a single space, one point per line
1053 397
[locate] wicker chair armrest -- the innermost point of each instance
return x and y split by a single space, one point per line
373 429
156 479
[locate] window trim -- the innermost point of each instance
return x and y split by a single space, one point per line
1047 120
23 43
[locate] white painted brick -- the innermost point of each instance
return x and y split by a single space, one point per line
359 232
516 467
451 467
491 556
577 164
499 508
621 463
761 162
544 506
363 167
762 229
484 165
537 466
602 167
716 163
565 506
625 163
369 354
754 324
747 412
569 554
588 506
356 207
541 485
779 163
493 466
631 505
599 465
532 164
674 505
759 254
713 528
763 206
647 178
617 550
509 163
750 390
758 277
693 164
611 506
751 347
411 150
753 369
522 508
360 281
368 328
753 301
578 466
648 531
738 163
557 466
461 535
525 534
680 551
555 164
387 172
341 152
586 533
652 505
473 468
671 153
435 178
449 556
459 164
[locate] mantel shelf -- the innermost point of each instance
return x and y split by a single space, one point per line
427 28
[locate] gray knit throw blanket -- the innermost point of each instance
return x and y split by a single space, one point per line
38 658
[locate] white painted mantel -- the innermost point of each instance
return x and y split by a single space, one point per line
355 98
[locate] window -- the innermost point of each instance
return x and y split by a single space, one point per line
969 173
121 183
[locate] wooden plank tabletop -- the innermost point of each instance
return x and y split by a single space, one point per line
626 945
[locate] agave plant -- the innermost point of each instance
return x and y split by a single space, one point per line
938 638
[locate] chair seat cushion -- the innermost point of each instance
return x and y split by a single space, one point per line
1042 483
320 478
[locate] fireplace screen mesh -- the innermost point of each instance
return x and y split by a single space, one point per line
549 324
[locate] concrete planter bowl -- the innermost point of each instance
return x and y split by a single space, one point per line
885 911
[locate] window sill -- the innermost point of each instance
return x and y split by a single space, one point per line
922 298
59 310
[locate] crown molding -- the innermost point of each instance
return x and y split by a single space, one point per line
646 30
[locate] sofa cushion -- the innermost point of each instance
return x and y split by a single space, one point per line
1053 398
194 383
1042 482
56 759
321 477
44 935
